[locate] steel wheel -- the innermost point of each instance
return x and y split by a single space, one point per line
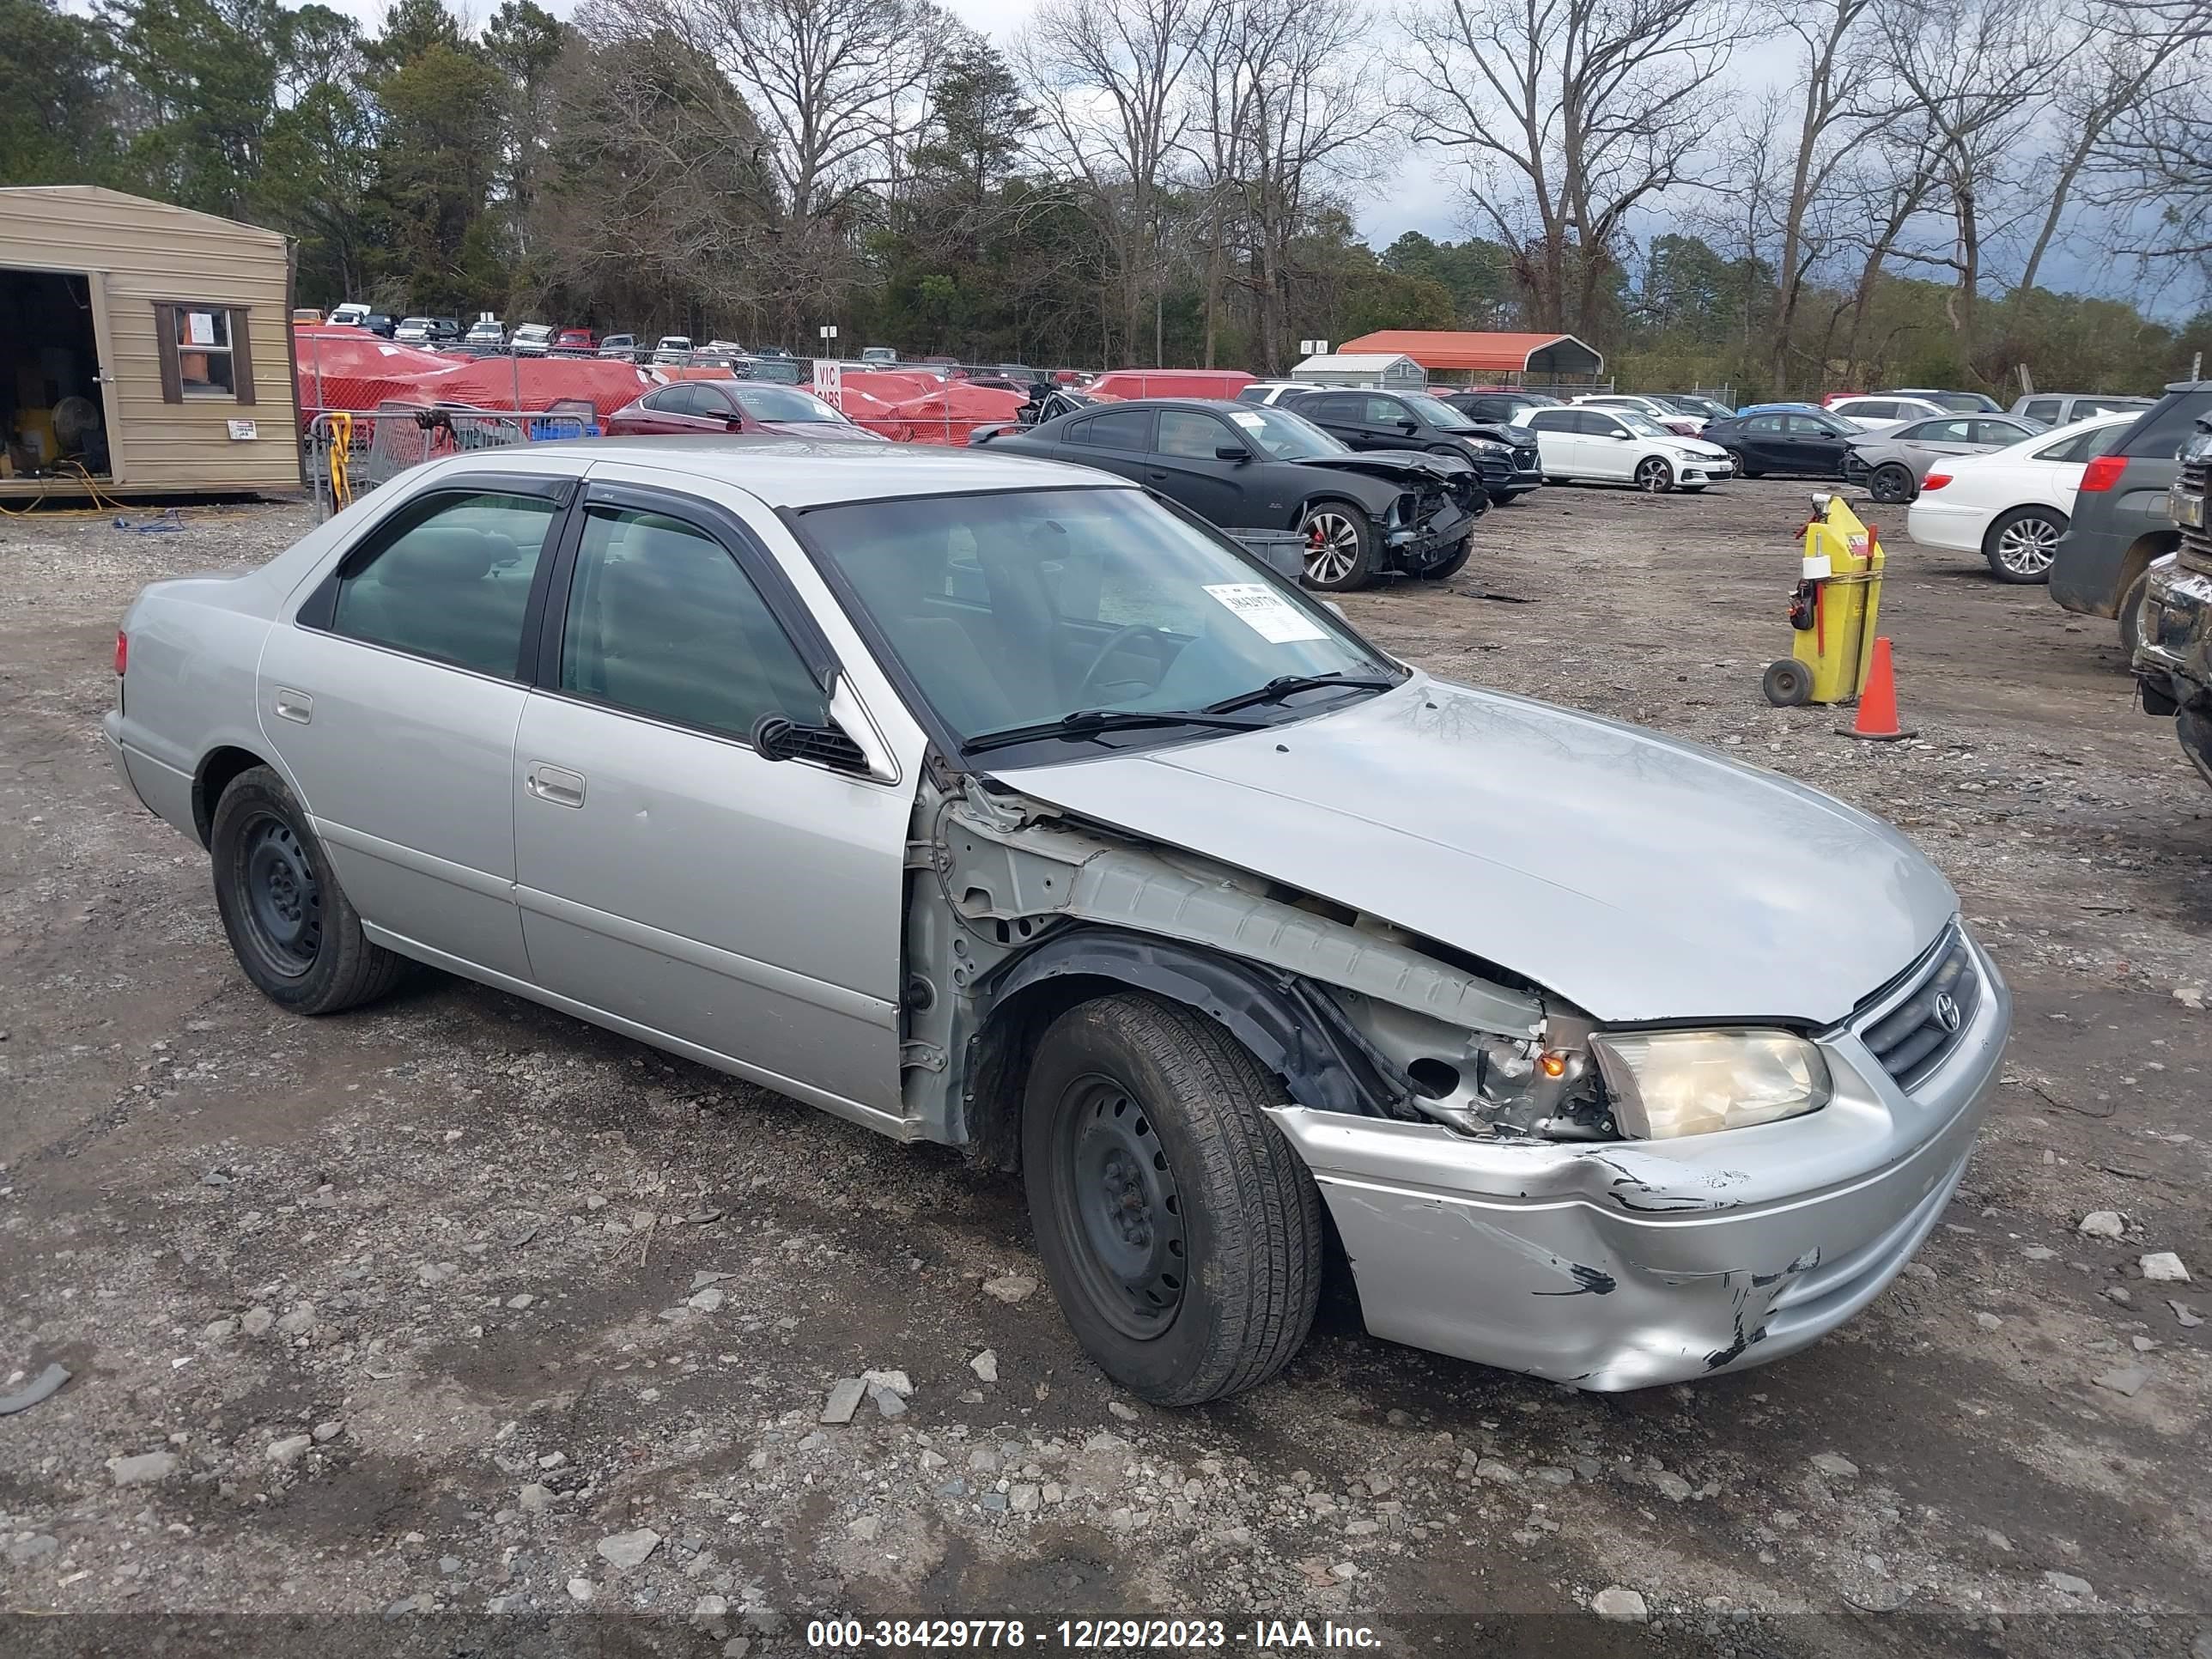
2026 544
284 901
1891 483
1654 476
1332 546
1116 1189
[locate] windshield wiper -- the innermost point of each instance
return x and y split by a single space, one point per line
1088 722
1284 684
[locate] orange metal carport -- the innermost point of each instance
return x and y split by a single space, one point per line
1542 356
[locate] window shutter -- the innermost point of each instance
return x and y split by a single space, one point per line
165 336
242 353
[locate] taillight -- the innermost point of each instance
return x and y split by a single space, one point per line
1934 480
2103 473
121 653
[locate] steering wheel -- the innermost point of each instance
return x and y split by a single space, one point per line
1119 638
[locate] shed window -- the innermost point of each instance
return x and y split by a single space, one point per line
203 353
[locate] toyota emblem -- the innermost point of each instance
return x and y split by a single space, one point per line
1946 1011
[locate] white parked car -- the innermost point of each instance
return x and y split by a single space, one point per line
2012 505
1619 446
1674 420
1879 414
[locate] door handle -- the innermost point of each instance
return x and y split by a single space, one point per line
292 705
556 784
1155 475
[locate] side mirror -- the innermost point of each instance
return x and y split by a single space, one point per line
776 738
1232 452
1409 426
736 424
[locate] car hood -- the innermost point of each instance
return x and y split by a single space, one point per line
1697 446
1403 465
1641 877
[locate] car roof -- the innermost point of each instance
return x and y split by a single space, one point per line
800 472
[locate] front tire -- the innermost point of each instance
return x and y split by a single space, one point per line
1342 547
2020 544
1180 1232
1653 476
290 923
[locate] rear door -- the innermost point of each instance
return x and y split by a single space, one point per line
1118 441
392 701
1764 444
1557 442
668 876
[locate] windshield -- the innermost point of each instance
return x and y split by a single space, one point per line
1437 413
780 403
1285 436
1637 422
1022 608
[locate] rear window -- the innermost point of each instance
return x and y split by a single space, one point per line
2167 425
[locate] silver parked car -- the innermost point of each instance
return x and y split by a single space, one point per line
983 800
1892 464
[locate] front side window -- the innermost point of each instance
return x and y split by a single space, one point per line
1808 426
453 584
1186 432
661 622
1018 608
1385 411
1996 434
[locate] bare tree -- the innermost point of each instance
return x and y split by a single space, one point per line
1568 115
1834 107
1979 73
1108 77
833 89
2151 168
1310 116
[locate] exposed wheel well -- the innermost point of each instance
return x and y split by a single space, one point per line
214 775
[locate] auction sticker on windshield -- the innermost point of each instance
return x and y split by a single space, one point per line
1267 612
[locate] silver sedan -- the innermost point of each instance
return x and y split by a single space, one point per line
982 800
1893 464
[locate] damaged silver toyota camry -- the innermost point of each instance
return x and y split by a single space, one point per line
987 801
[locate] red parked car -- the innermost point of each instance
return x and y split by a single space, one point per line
691 407
575 339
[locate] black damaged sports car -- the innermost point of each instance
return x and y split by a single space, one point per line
1250 466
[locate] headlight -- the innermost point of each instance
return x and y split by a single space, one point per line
1666 1083
1488 446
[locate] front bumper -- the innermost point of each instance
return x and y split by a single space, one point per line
2174 660
1432 540
1621 1264
1717 470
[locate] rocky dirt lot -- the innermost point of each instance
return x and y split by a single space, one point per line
455 1325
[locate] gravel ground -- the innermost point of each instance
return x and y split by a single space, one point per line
458 1326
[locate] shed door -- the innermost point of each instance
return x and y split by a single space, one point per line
111 391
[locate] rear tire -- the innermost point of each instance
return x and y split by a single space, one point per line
2130 616
2020 544
1742 466
1180 1232
1890 483
1342 554
290 923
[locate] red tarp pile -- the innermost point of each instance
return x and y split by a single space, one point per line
351 369
1169 383
950 413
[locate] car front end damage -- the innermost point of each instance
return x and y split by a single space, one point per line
2173 660
1439 498
1505 1192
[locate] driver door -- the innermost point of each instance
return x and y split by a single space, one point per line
670 878
1188 468
1606 446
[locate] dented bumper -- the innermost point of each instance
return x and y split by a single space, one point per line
1620 1265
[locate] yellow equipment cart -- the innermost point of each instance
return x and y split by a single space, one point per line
1832 610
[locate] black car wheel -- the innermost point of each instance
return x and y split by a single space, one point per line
1653 476
289 923
2021 543
1341 554
1890 482
1742 464
1180 1232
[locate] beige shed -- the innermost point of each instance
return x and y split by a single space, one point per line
146 347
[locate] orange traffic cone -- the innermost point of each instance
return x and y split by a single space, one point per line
1877 715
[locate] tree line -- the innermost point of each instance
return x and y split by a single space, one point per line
1176 181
